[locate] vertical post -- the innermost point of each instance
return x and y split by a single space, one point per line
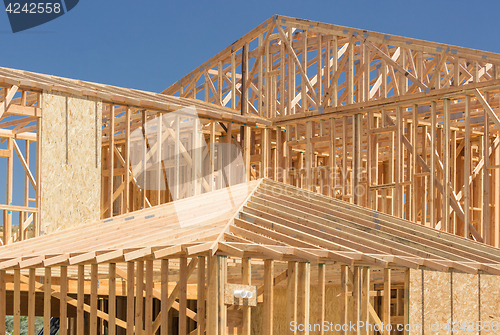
332 159
356 295
365 298
200 312
126 189
246 272
344 158
176 188
130 298
31 303
350 75
93 299
467 167
63 301
182 296
159 169
112 299
3 303
321 297
143 160
212 294
309 155
267 323
246 148
22 234
111 158
486 178
432 175
139 295
446 166
220 295
398 202
303 295
407 300
80 326
291 296
149 298
357 163
233 80
17 303
38 192
386 299
344 300
7 225
212 158
303 88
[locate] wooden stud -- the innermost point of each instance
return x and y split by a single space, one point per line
321 302
94 282
291 296
344 300
63 301
446 167
126 191
3 302
148 315
268 314
201 292
183 296
386 299
111 159
17 304
80 301
31 303
246 272
212 295
303 295
130 298
139 297
432 190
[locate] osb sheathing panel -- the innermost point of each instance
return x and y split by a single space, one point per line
468 301
490 299
465 301
280 325
70 161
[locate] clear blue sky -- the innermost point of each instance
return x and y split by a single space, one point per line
151 44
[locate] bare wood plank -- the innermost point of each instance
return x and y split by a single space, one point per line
246 272
80 301
164 297
63 302
291 296
111 299
267 322
17 304
130 298
148 316
93 299
303 295
139 297
183 296
200 312
321 302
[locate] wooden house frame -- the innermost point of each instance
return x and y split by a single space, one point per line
356 146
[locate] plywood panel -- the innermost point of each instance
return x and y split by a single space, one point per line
468 301
70 161
465 302
490 301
